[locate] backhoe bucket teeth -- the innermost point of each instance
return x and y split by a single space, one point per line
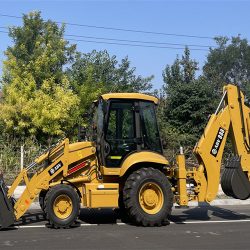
7 217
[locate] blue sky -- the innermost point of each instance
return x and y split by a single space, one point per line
199 18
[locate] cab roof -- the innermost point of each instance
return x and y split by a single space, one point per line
130 96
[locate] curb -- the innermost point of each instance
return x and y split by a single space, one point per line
219 202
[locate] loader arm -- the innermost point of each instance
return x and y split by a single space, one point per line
51 168
230 119
42 177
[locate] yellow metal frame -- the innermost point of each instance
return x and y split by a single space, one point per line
134 96
97 195
135 158
181 175
142 157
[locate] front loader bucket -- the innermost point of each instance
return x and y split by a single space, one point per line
7 217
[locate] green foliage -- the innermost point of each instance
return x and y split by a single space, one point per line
185 103
229 63
39 49
37 99
95 73
188 105
182 71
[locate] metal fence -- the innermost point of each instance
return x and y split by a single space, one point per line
13 158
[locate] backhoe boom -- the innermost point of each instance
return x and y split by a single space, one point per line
230 119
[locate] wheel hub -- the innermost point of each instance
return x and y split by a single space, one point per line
151 198
62 206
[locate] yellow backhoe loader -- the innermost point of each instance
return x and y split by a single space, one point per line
122 165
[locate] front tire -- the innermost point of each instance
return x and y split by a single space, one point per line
62 206
148 197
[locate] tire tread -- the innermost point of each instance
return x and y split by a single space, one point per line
48 211
130 190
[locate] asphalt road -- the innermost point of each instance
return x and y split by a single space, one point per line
209 227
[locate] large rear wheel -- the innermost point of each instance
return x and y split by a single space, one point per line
148 197
62 206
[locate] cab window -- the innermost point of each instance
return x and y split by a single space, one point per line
150 132
120 134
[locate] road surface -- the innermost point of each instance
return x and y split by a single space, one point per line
225 227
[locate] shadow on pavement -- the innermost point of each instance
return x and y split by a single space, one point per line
31 217
11 228
91 216
99 216
206 212
110 216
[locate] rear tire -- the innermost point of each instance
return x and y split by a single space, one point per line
62 206
148 197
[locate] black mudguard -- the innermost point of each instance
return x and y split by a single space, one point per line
7 217
234 181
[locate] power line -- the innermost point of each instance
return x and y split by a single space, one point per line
4 27
134 41
19 17
137 45
137 31
139 41
130 45
121 29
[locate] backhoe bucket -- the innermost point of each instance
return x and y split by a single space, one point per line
234 181
7 217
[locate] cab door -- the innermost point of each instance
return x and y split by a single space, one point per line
121 132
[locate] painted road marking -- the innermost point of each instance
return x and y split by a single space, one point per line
82 225
122 224
210 221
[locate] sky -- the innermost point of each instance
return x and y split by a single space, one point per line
189 18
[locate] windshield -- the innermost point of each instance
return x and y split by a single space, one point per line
150 130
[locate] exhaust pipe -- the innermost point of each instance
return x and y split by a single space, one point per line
7 217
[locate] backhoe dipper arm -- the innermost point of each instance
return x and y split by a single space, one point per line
232 119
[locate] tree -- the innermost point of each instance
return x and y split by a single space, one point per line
97 72
37 98
186 102
229 63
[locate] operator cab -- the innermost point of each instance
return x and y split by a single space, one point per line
125 123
